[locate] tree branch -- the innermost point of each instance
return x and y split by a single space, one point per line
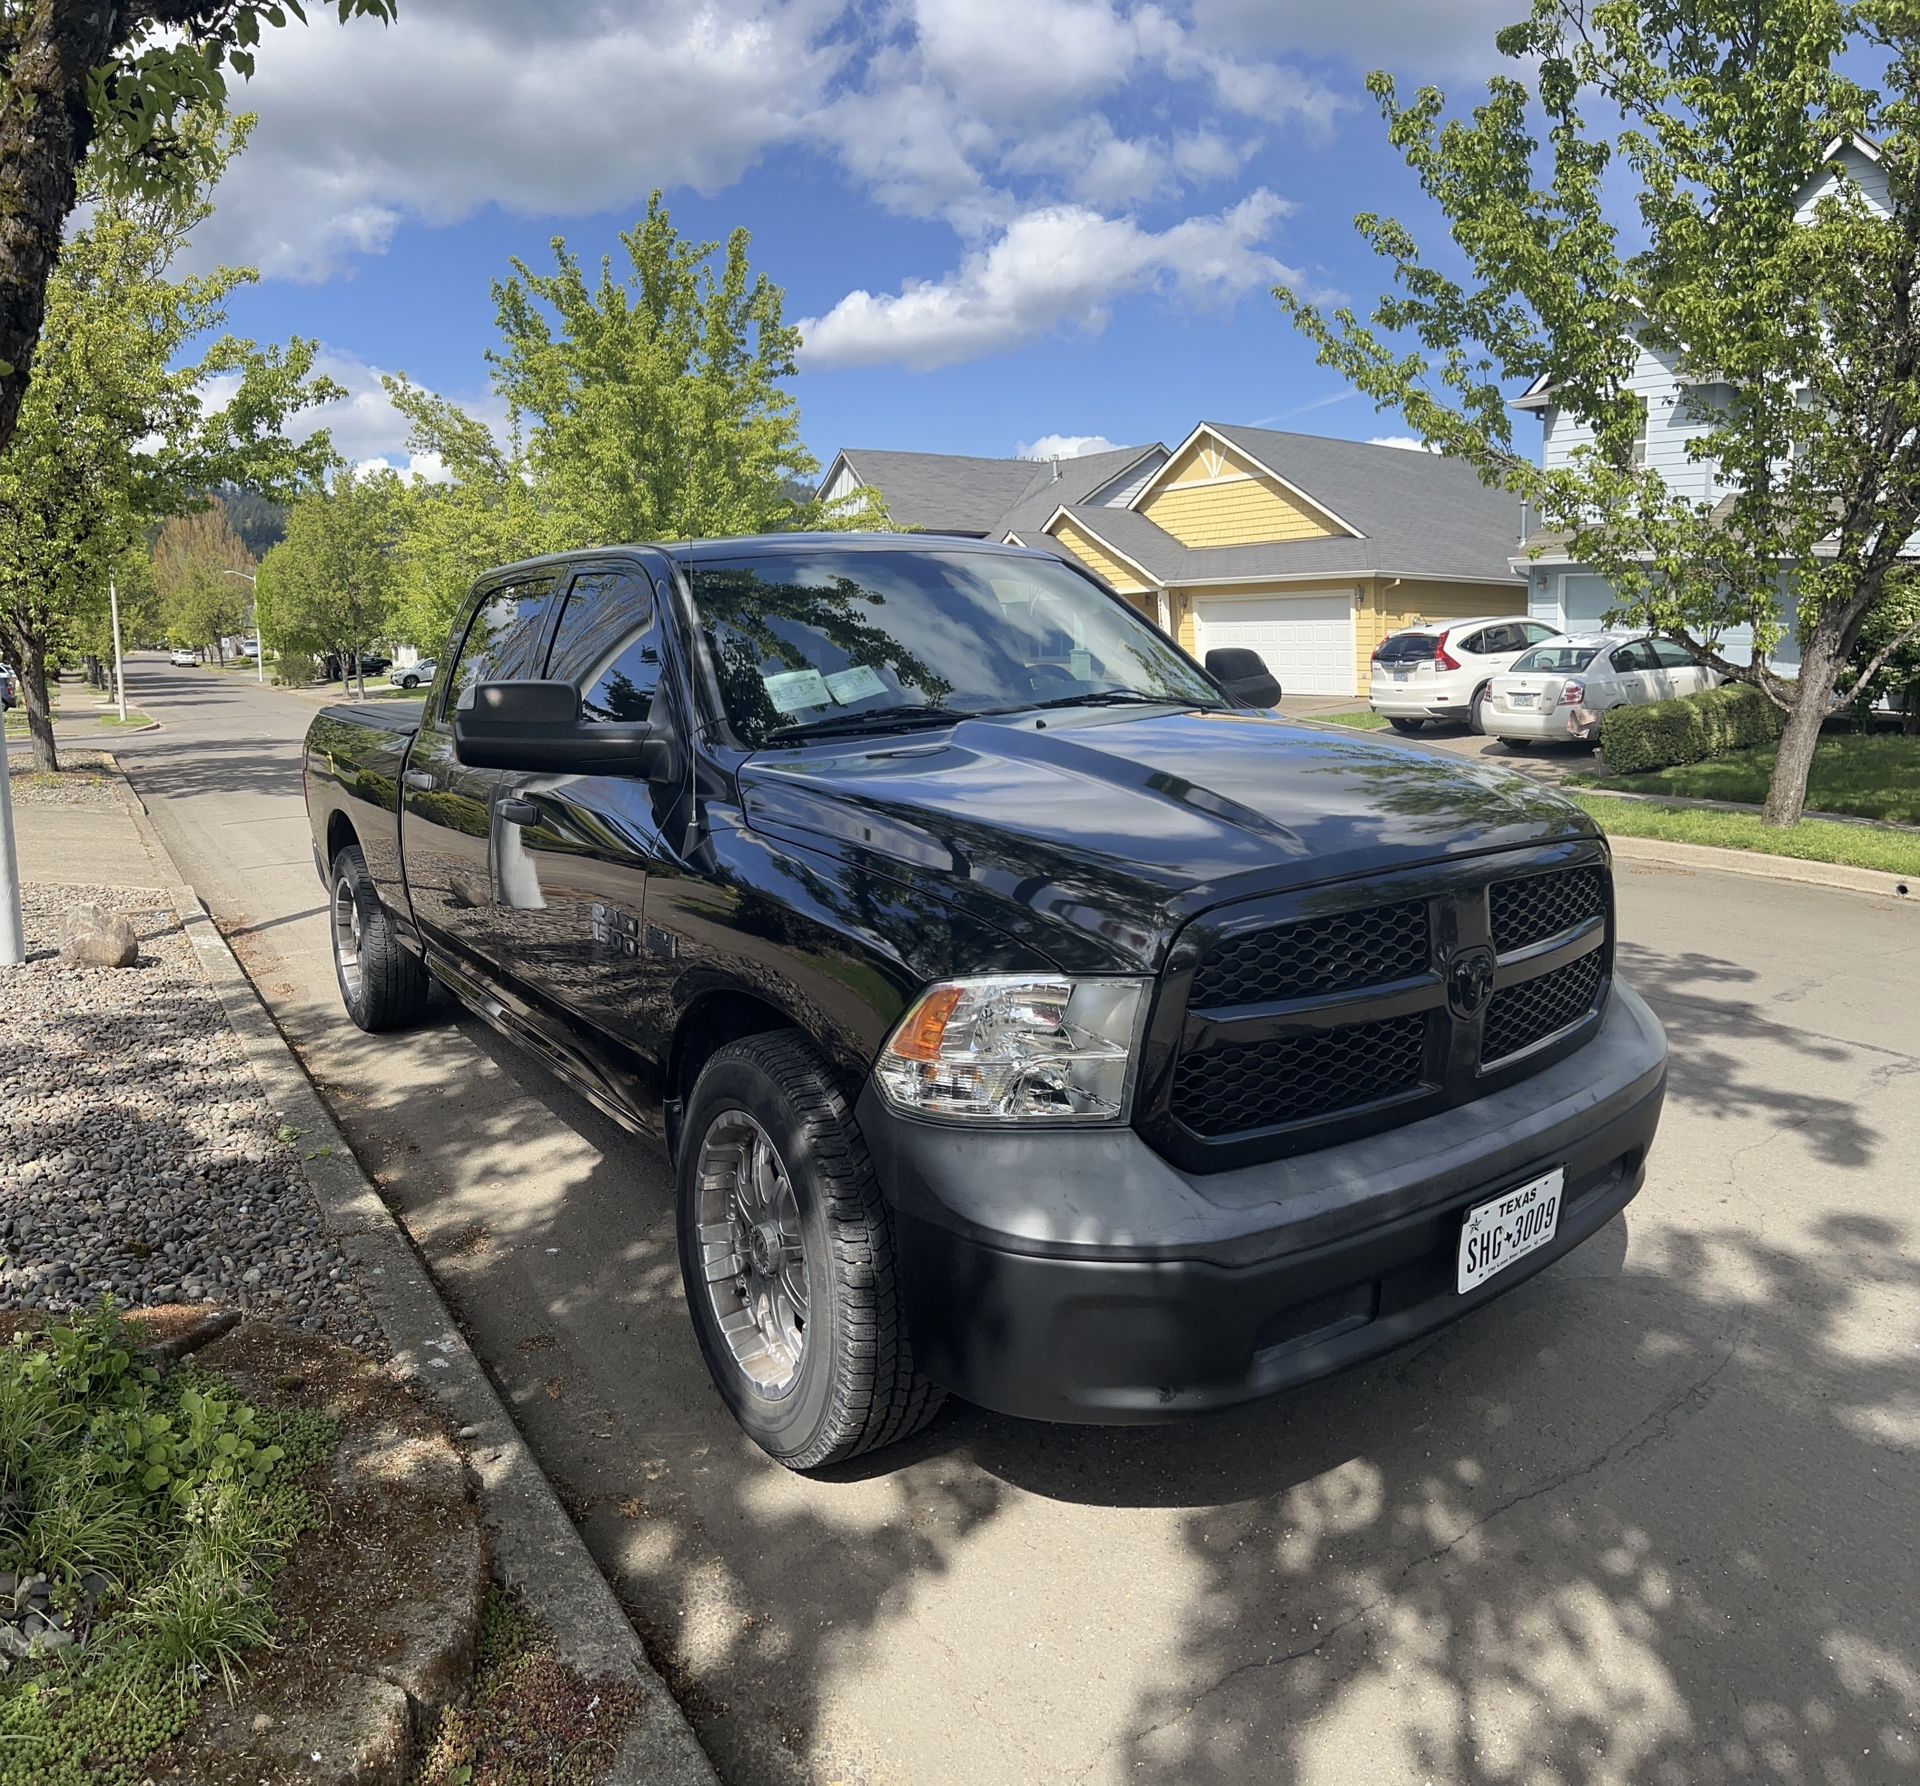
1866 676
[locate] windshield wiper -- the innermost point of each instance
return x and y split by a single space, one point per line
887 719
1113 697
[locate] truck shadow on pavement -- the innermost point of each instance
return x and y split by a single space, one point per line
1641 1519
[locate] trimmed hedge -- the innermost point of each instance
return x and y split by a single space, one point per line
1735 716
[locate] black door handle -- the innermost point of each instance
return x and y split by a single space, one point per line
516 811
420 780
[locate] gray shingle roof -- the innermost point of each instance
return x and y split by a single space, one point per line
1419 515
952 493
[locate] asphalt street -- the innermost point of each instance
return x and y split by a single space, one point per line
1650 1518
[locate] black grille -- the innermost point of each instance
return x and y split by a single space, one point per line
1521 1015
1256 1085
1543 905
1368 947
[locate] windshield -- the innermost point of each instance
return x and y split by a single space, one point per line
814 639
1556 658
1408 648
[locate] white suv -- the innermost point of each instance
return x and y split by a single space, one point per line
1441 672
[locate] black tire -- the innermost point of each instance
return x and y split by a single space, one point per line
409 681
382 983
1476 714
1518 744
1408 726
855 1387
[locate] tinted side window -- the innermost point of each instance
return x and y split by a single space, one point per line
503 639
1672 656
608 646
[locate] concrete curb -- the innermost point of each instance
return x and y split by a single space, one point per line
536 1547
1832 875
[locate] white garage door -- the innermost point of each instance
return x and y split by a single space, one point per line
1307 640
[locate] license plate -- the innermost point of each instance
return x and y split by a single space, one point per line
1399 675
1509 1227
1521 698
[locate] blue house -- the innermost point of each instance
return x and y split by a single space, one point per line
1571 595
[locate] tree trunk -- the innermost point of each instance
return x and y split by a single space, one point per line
45 128
33 682
1813 697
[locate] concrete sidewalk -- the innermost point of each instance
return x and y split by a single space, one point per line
94 845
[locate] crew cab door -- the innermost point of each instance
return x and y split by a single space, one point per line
572 853
446 808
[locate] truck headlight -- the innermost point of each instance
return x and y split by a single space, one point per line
1030 1048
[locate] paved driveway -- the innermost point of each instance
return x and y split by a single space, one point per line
1651 1518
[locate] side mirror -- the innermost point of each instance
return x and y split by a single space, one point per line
1244 675
536 726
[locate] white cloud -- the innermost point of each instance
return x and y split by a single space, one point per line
367 430
1406 441
569 107
1052 267
579 106
1064 446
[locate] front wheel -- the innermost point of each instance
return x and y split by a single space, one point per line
1408 726
383 983
409 681
786 1251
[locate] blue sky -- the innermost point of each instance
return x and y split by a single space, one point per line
1000 220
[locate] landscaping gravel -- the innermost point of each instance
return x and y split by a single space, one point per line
137 1157
79 783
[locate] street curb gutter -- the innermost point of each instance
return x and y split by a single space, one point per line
536 1547
1770 868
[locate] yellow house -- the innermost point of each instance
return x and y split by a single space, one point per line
1311 551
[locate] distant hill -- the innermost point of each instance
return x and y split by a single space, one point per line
260 523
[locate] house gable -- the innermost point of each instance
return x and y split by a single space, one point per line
1210 493
1105 564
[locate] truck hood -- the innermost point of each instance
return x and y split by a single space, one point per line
1095 836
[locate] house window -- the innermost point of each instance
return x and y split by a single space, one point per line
1640 435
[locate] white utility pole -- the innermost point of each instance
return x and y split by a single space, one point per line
13 940
119 669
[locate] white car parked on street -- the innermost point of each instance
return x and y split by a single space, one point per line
412 675
1441 671
184 659
1560 692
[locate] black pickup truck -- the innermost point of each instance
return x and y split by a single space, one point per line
1024 1013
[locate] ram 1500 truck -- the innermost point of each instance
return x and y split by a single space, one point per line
1023 1012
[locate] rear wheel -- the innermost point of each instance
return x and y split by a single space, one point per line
1408 726
786 1251
383 983
1477 713
1517 743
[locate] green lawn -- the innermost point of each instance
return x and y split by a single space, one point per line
1874 775
1853 846
133 722
1361 722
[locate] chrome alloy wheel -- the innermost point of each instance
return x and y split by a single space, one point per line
752 1253
346 935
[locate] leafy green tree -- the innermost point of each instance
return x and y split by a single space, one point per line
116 432
1886 661
489 512
651 404
115 85
1795 333
204 575
331 585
